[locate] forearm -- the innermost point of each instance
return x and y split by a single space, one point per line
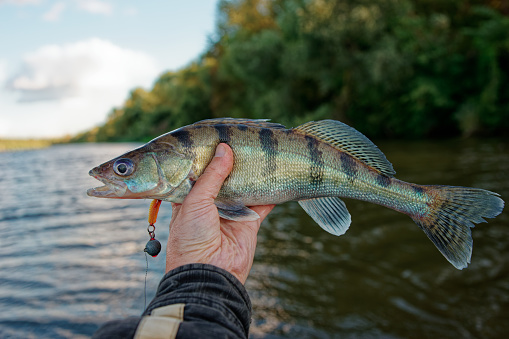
192 301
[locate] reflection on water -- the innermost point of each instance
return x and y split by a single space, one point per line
70 262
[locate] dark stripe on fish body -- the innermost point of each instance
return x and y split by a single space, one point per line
419 190
223 131
242 127
184 138
383 180
348 166
316 168
269 147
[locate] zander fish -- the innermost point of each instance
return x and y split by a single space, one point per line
314 164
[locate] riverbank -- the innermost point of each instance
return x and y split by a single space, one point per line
7 145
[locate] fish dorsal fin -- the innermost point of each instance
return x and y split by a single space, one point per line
262 123
349 140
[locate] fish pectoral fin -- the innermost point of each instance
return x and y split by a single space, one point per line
235 211
329 212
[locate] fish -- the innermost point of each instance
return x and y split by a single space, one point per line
316 164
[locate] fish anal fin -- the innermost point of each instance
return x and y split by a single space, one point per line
329 212
347 139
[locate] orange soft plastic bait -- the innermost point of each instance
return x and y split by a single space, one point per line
154 209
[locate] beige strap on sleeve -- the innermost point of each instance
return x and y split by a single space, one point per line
164 323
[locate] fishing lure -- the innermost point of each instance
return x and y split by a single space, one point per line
153 246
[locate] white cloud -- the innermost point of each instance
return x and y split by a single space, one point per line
57 72
95 6
55 11
69 88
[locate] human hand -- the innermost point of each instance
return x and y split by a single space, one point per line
199 235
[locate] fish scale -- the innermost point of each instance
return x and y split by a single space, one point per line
316 164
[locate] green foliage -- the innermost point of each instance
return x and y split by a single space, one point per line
390 68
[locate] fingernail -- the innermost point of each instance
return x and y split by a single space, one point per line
220 151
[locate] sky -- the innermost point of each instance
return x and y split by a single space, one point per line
64 64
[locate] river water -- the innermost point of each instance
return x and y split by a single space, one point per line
69 262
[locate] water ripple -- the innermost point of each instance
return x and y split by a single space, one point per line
70 262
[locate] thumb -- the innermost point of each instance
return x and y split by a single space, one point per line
209 183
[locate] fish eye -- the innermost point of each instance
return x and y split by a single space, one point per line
123 167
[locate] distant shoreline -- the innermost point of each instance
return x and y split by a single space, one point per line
7 145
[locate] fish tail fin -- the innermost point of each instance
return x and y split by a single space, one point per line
451 214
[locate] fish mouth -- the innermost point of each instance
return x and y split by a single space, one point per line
104 192
110 189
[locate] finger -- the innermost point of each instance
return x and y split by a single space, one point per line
209 183
262 210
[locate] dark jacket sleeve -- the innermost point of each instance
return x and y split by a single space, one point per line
214 303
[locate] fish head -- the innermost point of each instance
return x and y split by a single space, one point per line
150 171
